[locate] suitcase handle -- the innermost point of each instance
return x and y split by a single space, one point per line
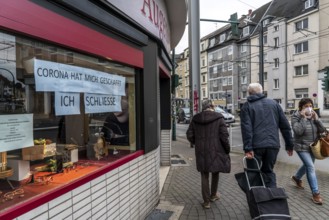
255 170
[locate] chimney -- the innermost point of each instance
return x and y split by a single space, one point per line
249 12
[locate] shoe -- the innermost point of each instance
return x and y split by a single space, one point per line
206 205
299 183
317 198
214 198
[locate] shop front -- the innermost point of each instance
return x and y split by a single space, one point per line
83 113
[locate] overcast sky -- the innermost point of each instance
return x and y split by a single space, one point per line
219 10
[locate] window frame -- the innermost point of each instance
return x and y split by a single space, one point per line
300 69
300 47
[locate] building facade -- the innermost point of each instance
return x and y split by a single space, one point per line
295 52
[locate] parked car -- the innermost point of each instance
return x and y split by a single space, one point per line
183 115
228 117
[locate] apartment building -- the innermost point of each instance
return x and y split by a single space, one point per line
295 53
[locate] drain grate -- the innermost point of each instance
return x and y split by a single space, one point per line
178 160
159 214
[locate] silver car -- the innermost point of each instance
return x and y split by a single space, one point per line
229 118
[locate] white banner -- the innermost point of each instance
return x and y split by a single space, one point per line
16 131
51 76
95 103
67 103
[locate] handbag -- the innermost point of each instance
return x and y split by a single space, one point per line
324 147
316 149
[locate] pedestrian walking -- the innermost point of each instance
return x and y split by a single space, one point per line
261 119
307 127
208 132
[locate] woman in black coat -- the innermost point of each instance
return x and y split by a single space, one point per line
208 132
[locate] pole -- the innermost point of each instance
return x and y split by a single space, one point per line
194 53
173 106
261 54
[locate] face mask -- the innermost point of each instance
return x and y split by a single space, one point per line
308 111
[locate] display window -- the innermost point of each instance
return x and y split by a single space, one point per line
63 115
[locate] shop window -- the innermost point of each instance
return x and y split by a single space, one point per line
60 112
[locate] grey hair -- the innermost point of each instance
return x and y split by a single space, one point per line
255 88
207 104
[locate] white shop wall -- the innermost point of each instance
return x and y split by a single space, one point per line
130 191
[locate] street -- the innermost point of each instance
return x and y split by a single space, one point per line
236 144
234 131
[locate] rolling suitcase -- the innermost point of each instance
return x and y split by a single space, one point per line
263 202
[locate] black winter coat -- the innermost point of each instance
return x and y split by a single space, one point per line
208 132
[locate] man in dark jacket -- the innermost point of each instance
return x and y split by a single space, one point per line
261 119
208 132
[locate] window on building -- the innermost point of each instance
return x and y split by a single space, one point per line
266 22
220 68
265 76
203 93
276 84
244 94
203 62
265 57
204 78
276 63
276 28
202 46
230 66
225 66
243 64
224 81
222 38
212 42
276 42
245 31
309 3
214 83
243 47
229 80
300 25
301 47
243 80
219 54
210 57
215 69
230 50
301 93
301 70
